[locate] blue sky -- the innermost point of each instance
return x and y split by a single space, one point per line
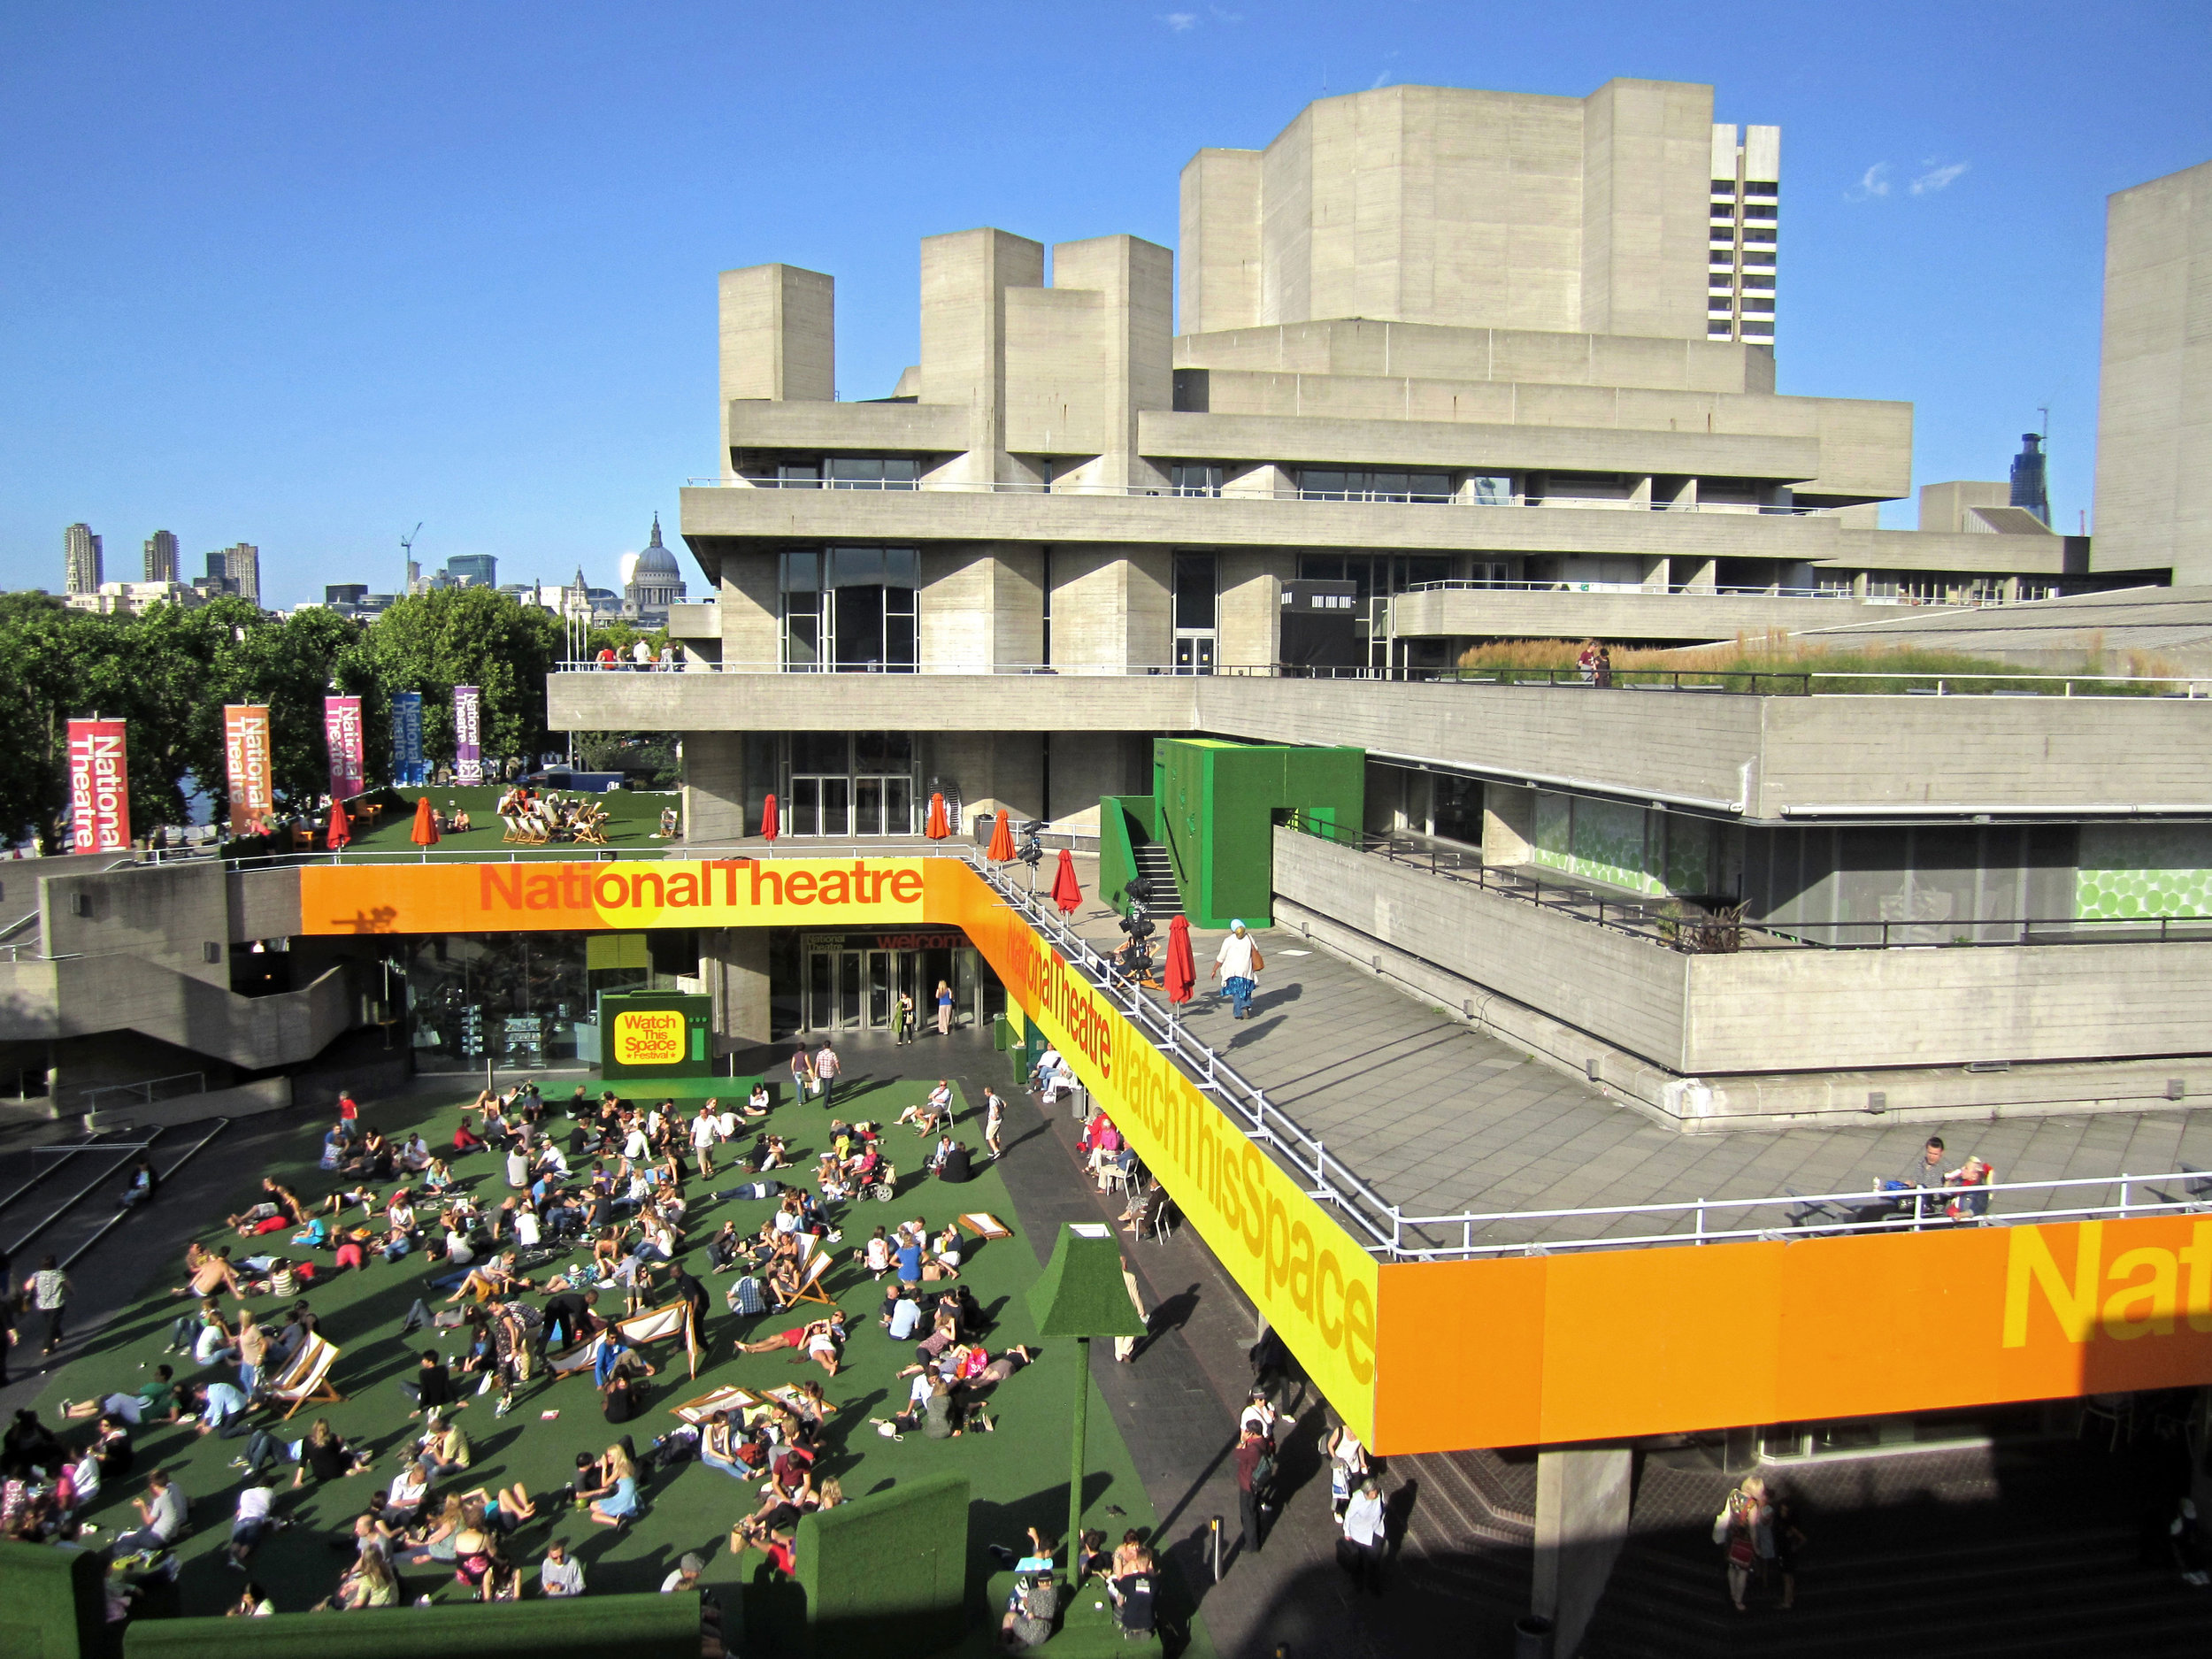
305 276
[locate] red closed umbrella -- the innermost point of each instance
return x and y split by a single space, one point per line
768 819
1065 892
340 831
425 831
1003 839
935 827
1182 970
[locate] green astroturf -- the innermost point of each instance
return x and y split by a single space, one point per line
1017 1473
635 817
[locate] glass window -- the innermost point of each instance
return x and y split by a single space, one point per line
1195 477
1491 489
1196 592
799 475
1333 484
872 472
799 578
817 752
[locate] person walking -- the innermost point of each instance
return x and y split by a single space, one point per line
826 1066
993 1121
1237 965
1738 1530
49 1289
944 1009
1364 1536
801 1074
1126 1347
903 1020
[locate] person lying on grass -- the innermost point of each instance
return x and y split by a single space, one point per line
822 1340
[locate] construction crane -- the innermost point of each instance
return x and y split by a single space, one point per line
407 554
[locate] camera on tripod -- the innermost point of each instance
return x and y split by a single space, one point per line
1135 957
1032 852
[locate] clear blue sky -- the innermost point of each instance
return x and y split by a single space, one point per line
305 275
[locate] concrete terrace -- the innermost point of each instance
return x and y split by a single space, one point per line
1440 1118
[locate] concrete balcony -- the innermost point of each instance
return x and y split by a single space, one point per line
737 514
1802 1027
1530 610
866 429
1776 758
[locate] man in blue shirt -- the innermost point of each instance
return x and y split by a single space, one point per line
222 1410
903 1318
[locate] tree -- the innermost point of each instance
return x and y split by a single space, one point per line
466 636
288 664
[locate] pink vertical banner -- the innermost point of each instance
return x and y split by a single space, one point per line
342 734
468 735
99 788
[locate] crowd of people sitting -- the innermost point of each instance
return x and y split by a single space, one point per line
541 1230
535 820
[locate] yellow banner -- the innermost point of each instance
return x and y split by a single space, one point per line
1299 1265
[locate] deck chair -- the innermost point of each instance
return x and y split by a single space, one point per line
515 831
591 832
811 1282
306 1380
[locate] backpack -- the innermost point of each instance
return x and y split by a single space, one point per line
1263 1472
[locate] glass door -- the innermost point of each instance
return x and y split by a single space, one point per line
820 1013
821 806
848 969
879 990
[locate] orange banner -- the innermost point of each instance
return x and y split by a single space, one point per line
245 759
564 894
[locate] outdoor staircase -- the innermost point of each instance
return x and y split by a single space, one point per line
1471 1530
2055 1555
1154 865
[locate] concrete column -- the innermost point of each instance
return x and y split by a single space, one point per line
1136 280
1509 822
982 606
734 962
964 279
714 786
1251 605
1697 573
1582 1504
1110 606
778 338
752 626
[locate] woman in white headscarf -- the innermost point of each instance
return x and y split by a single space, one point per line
1237 965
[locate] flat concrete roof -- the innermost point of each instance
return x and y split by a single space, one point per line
1439 1118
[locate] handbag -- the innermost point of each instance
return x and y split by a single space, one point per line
1257 962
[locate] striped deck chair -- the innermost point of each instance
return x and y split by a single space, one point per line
306 1380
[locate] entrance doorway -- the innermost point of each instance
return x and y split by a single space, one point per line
852 983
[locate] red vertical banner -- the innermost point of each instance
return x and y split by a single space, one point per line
246 754
341 727
99 788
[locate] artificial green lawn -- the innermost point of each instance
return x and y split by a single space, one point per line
1017 1474
635 818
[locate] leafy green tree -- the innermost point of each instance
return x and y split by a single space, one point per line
290 664
464 637
38 644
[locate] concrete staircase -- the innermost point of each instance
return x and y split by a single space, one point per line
2053 1554
1471 1529
1154 866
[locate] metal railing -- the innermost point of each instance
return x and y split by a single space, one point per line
1778 1217
1697 928
1207 492
1327 1179
1723 590
1755 682
108 1096
1384 1229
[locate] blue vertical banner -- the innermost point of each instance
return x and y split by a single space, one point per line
407 762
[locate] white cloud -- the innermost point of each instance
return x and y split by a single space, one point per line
1936 177
1181 22
1873 182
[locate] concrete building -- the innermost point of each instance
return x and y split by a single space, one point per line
137 598
2155 387
161 556
473 570
235 571
82 570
